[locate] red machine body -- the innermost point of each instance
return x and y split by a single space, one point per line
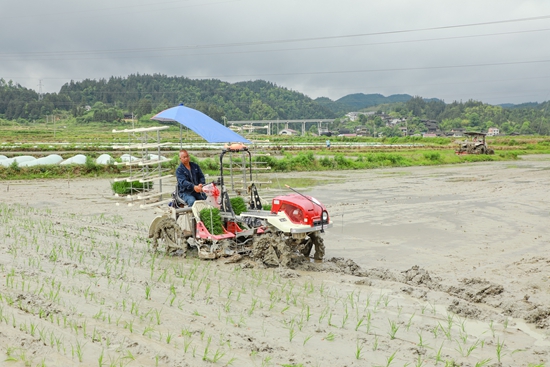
301 209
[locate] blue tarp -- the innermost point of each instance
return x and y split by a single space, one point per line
208 128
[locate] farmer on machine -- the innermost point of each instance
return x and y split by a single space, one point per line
190 180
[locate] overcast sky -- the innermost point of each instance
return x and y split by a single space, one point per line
495 51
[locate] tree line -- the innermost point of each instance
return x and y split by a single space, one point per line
144 94
108 100
533 118
475 115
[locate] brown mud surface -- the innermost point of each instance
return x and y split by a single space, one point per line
424 266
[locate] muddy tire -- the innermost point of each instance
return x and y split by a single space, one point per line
168 233
306 250
479 149
316 240
273 250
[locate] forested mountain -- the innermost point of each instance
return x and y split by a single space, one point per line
339 109
473 115
359 101
143 94
108 100
521 105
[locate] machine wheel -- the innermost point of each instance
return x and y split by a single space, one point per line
273 250
168 232
316 240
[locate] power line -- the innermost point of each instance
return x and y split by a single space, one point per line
371 70
52 55
396 31
239 44
257 43
125 8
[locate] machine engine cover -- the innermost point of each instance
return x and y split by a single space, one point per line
300 209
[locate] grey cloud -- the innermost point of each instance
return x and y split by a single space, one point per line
319 53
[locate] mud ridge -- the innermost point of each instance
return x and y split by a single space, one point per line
466 294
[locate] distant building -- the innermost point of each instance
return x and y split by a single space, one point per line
128 117
457 133
493 131
394 122
352 116
432 126
361 131
288 132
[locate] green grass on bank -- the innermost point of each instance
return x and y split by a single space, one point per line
293 154
290 161
310 162
90 169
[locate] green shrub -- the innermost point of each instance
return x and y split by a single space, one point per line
269 160
15 166
91 165
306 158
326 162
432 156
210 164
342 161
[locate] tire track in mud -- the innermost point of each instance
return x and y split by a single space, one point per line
468 293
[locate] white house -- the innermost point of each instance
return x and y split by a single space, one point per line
493 131
352 116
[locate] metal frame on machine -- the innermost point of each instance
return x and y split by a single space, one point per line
243 167
143 142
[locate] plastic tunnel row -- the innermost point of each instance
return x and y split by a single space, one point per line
53 159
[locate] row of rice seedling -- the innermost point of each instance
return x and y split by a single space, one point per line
89 290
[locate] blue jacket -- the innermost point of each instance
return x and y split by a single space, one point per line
187 180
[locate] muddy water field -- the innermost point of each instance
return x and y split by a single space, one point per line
424 266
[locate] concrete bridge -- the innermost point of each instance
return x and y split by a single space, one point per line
268 124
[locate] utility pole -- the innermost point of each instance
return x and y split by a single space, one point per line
40 89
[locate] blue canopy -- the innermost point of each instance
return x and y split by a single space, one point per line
208 128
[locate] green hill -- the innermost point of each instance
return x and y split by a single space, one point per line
108 100
144 94
359 101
